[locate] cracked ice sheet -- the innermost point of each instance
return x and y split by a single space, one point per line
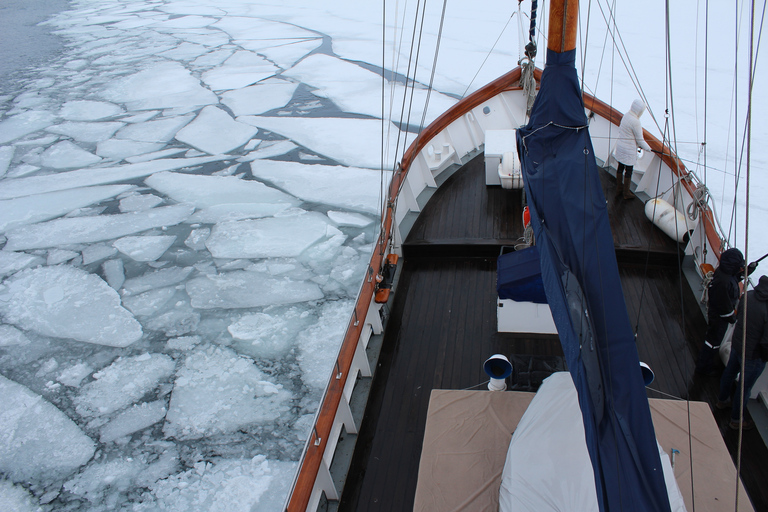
41 207
346 187
96 176
346 140
66 155
355 89
165 85
243 68
66 302
37 440
77 230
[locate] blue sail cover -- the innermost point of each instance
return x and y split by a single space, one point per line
581 279
518 276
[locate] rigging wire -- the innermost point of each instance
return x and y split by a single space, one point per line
746 257
488 55
434 67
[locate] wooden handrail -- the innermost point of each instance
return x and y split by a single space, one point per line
312 458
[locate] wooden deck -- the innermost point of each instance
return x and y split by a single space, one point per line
443 326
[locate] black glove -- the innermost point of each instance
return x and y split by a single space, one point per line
751 268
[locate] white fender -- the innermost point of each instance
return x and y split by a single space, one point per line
668 219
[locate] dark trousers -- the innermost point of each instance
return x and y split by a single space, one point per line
627 169
752 370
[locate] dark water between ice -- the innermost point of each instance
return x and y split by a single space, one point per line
24 43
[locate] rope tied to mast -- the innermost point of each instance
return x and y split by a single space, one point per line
527 80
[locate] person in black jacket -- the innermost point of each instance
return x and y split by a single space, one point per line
724 293
755 355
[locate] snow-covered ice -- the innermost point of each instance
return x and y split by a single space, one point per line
66 302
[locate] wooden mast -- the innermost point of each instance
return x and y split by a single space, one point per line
563 22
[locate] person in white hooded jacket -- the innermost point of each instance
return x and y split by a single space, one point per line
630 139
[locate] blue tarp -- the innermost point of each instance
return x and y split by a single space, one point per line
518 276
581 279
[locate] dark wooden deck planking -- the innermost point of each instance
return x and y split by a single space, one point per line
443 326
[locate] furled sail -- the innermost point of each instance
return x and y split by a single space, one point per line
581 279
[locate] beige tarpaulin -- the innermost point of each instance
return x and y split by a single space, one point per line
468 432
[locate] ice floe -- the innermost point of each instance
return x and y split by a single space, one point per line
161 86
243 68
11 262
15 498
270 335
360 146
248 289
268 238
229 485
118 149
67 155
214 131
37 440
349 219
218 391
93 229
139 202
98 176
31 209
144 248
87 110
6 155
157 130
259 98
319 343
22 124
157 279
122 383
85 131
207 191
10 336
137 417
345 187
65 302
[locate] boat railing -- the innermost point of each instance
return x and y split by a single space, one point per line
455 134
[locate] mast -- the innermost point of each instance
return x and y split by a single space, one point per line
563 23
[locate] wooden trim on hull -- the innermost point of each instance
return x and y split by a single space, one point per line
312 458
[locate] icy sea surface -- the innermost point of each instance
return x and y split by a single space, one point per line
188 198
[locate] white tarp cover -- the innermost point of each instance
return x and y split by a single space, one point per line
548 466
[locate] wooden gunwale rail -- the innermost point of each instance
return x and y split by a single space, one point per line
318 440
